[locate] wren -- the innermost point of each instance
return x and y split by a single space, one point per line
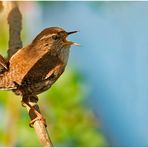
34 68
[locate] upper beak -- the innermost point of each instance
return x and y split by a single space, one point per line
72 43
71 32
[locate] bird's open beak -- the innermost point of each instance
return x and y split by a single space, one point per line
72 43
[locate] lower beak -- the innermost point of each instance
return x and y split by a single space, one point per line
73 43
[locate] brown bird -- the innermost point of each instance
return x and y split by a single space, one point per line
34 68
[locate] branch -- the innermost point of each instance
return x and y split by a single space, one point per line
15 27
38 125
1 6
15 43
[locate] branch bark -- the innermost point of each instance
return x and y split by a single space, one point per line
15 27
15 43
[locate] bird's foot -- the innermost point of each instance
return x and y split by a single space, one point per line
39 117
33 110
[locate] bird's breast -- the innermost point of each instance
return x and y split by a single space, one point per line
64 54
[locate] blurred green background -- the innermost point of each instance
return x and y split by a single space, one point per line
71 120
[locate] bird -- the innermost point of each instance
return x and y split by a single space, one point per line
35 68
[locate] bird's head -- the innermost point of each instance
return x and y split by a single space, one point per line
55 36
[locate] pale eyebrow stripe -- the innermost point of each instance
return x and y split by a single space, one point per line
47 36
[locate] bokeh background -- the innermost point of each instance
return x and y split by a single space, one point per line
102 98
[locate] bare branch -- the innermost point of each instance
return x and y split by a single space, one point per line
39 126
15 27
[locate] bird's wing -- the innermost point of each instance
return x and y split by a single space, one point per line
42 69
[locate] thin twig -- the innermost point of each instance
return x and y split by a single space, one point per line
15 43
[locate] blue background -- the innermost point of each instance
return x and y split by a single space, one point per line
113 58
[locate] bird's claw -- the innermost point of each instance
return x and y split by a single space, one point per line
40 118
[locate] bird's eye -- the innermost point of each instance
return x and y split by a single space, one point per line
55 37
